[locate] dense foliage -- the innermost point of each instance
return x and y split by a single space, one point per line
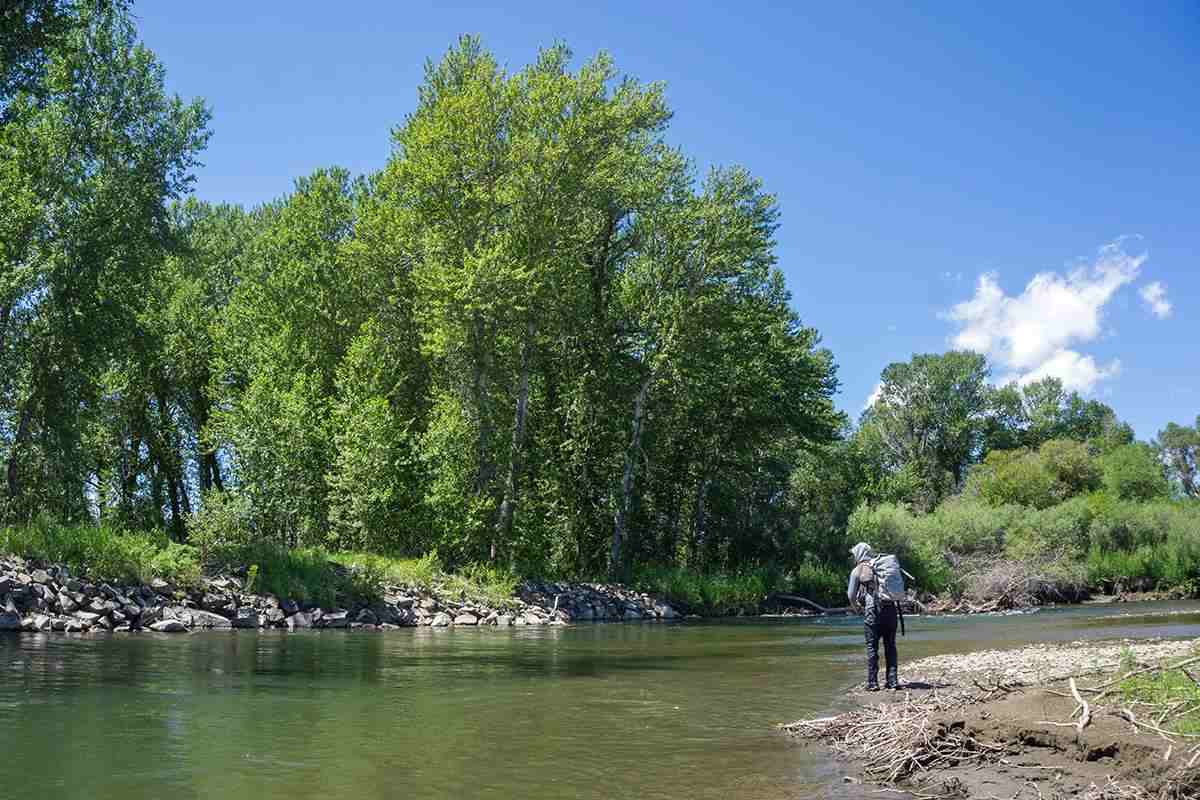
535 338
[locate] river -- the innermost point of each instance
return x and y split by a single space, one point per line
630 710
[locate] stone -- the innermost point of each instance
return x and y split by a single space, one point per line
301 619
98 606
631 613
466 619
288 607
160 586
441 620
59 624
67 604
247 617
401 601
367 617
74 626
104 622
207 619
665 611
169 626
73 585
335 619
87 617
275 616
504 620
520 620
429 604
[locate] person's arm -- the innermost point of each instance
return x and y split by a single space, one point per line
852 589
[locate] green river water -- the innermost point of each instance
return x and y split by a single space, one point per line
683 710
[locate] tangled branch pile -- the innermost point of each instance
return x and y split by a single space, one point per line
1180 784
895 741
992 584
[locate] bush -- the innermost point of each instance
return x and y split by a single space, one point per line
1061 531
713 594
1133 472
221 531
893 529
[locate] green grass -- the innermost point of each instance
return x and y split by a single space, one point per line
481 583
103 551
1166 689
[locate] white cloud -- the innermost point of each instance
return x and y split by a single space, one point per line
1034 334
875 393
1155 297
1075 370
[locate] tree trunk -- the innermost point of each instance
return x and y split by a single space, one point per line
19 440
508 505
479 391
210 468
699 518
626 499
169 461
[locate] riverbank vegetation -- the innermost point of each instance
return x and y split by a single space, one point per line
535 342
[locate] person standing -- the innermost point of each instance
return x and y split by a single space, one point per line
880 617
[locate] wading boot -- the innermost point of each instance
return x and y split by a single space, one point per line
892 682
872 687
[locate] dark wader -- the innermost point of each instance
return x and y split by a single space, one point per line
880 622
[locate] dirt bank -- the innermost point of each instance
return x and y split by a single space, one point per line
1006 724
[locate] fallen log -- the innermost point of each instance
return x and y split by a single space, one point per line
797 600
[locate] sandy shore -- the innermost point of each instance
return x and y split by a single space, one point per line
1004 725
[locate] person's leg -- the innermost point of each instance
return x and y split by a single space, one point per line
888 623
871 631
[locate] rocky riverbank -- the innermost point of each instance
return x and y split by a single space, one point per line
1014 724
46 597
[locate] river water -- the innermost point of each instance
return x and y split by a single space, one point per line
629 710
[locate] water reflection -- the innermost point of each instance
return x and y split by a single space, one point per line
588 711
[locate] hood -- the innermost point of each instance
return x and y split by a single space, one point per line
862 552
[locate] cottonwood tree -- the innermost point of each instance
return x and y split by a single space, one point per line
92 149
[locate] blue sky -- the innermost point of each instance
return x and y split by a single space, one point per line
1024 178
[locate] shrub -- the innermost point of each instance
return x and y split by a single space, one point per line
221 531
1134 472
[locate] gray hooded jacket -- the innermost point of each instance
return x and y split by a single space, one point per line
861 552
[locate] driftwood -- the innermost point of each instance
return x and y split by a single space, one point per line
797 600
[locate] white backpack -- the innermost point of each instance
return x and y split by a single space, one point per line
883 577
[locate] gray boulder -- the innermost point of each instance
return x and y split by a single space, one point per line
10 621
335 619
169 626
247 617
466 619
504 620
441 620
207 619
301 619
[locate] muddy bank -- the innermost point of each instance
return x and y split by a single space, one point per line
1007 724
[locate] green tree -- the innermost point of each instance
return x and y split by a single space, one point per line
1134 472
289 322
91 150
1179 448
929 419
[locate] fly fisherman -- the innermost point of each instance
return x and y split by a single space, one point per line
880 614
